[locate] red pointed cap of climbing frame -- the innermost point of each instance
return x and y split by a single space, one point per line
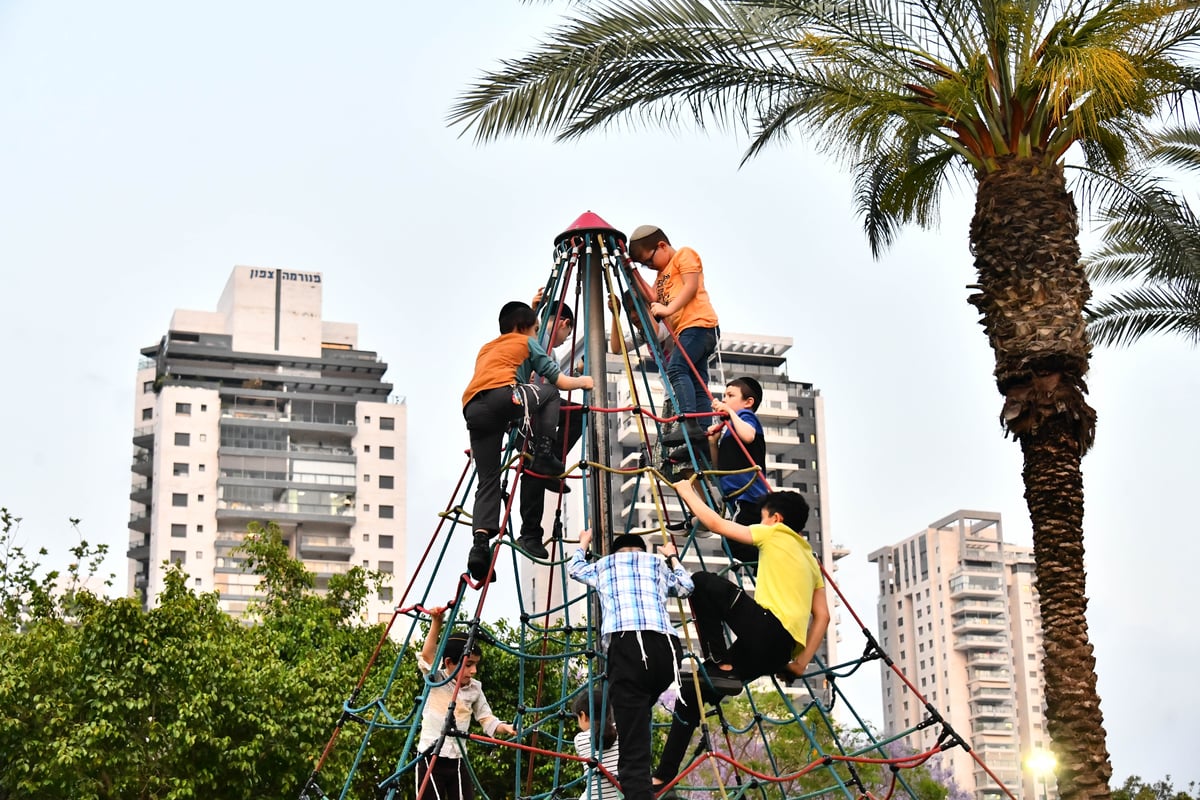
588 223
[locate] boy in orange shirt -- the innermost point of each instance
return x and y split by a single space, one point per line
680 299
500 394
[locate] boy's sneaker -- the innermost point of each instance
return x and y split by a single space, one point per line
724 682
555 485
533 546
480 558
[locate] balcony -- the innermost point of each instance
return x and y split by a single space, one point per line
962 586
979 605
317 546
981 641
966 623
325 569
140 521
144 436
997 657
992 711
140 491
139 549
975 676
143 461
342 515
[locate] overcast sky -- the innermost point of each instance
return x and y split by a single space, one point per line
147 148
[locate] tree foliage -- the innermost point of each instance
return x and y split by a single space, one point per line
1135 788
105 700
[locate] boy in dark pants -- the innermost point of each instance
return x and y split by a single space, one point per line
745 490
641 645
680 299
495 399
787 617
569 428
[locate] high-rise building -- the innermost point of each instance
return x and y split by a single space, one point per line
262 411
793 419
958 613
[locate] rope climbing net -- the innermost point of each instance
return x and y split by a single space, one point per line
776 738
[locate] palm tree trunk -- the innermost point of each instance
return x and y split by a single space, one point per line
1031 294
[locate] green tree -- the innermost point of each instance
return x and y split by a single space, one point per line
1136 789
105 700
1152 238
911 97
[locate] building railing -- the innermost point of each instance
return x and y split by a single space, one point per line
320 479
287 508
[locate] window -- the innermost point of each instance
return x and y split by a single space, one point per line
199 529
387 423
204 437
386 566
387 482
387 453
387 512
204 407
197 582
385 593
178 530
366 506
183 439
199 554
367 478
179 469
147 413
178 557
183 408
199 498
179 499
366 537
367 419
366 448
147 387
385 542
200 468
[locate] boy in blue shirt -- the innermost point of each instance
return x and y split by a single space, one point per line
744 491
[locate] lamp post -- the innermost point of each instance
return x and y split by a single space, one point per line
1041 764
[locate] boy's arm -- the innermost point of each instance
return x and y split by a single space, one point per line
816 632
435 631
691 285
709 518
578 567
745 430
679 582
568 382
488 720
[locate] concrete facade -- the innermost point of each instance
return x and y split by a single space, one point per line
262 411
958 613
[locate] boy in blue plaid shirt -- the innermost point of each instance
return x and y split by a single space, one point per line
642 647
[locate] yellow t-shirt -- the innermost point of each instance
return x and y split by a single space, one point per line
788 574
699 312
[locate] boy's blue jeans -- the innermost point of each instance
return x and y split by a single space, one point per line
691 388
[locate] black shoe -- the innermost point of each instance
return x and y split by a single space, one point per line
724 682
545 462
549 484
480 557
672 435
532 545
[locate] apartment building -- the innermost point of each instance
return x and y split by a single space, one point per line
958 613
261 411
793 420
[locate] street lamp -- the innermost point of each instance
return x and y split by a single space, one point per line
1041 764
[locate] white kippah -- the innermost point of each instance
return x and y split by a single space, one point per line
642 231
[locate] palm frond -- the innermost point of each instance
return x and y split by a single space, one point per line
1172 308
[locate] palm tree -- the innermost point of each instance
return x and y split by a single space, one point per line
1151 235
910 94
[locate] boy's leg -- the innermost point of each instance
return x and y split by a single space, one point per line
641 665
449 781
533 490
712 600
684 722
487 417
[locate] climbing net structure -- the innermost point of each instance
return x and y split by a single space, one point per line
776 739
